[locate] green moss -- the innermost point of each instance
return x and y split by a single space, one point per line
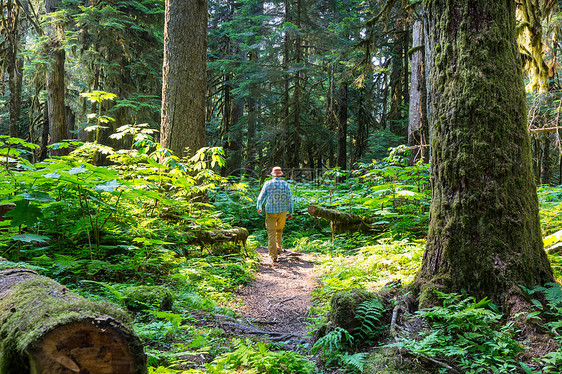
389 361
33 307
5 264
343 305
483 234
148 297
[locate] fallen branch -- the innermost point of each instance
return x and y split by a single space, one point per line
341 222
204 238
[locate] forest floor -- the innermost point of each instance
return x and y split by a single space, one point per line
278 301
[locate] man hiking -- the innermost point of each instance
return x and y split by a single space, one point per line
276 194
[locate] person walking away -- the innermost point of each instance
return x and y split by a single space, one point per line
276 194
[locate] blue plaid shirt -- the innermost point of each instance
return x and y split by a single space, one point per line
277 196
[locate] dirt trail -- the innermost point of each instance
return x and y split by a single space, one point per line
279 299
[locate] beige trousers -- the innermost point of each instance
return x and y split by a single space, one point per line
274 223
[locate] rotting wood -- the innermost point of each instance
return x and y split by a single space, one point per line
204 238
45 328
341 222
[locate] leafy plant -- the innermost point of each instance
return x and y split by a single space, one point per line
260 358
333 348
467 334
369 314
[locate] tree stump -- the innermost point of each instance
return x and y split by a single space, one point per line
46 329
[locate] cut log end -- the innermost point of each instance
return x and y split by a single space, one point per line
88 346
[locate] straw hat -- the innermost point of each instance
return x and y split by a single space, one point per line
277 172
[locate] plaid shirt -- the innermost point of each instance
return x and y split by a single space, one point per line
277 196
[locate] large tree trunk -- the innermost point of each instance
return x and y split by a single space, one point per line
184 76
46 329
484 236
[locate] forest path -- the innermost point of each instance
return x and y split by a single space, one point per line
279 299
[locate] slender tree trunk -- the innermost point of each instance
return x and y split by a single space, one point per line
418 133
13 65
45 133
484 236
398 77
342 126
253 111
545 160
295 136
363 121
184 76
15 76
331 114
55 83
55 98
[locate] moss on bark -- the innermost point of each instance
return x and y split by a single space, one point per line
484 233
33 306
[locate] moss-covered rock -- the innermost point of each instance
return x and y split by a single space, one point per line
343 305
148 297
390 361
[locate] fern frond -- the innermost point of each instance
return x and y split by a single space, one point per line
354 363
369 314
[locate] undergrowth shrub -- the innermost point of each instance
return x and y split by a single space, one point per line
467 334
260 358
334 349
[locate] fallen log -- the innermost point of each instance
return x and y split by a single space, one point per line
46 329
203 238
341 222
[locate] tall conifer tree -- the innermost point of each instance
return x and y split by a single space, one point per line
484 236
184 75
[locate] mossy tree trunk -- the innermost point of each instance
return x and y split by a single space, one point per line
484 236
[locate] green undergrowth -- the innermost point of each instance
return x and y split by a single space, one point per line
124 234
368 268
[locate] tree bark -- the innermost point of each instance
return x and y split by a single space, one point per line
342 127
484 236
399 76
184 76
418 134
55 83
545 160
46 329
12 25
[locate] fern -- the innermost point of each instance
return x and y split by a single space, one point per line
333 344
259 358
354 363
369 314
113 290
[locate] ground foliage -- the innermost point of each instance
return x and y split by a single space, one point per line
108 231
